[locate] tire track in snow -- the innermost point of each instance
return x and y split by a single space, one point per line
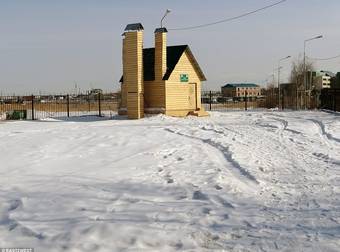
226 153
307 157
284 123
327 138
285 126
281 135
330 140
323 132
12 224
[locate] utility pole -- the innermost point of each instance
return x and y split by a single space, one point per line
304 66
278 76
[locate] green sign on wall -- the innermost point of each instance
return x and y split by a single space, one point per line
184 77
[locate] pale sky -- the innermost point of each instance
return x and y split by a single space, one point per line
48 46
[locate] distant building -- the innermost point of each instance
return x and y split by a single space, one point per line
318 80
95 91
322 80
241 90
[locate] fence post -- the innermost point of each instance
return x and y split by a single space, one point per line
283 99
245 101
334 100
88 100
99 104
68 105
210 100
296 102
32 107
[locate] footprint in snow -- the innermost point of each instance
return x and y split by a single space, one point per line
223 202
170 181
14 204
198 195
217 187
168 178
225 216
206 210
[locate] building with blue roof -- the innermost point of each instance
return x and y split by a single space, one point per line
238 91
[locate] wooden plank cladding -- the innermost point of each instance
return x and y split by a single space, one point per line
172 81
133 73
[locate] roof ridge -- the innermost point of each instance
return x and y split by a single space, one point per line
241 84
148 48
174 54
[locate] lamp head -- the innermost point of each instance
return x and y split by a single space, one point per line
166 13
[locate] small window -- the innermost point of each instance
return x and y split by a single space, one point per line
184 77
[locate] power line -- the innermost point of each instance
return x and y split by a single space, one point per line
229 19
335 57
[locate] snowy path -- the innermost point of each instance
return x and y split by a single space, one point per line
256 181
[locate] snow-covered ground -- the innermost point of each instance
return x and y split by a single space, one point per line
237 181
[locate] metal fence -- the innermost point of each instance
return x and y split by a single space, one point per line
215 101
106 104
54 106
288 99
330 99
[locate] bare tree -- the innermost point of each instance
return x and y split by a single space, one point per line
297 71
303 96
271 93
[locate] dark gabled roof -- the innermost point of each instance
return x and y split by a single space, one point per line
174 53
134 27
148 60
328 73
240 85
161 30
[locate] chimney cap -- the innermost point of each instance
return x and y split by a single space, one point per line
161 30
134 27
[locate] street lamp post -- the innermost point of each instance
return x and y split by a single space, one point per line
166 13
304 64
272 91
278 76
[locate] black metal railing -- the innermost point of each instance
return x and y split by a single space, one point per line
216 101
106 104
330 99
289 99
67 105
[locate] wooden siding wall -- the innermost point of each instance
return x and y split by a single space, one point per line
133 73
154 94
177 92
123 102
160 55
155 90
